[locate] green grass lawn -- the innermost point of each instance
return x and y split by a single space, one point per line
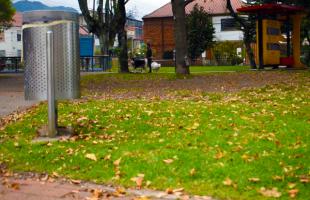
206 69
195 69
227 145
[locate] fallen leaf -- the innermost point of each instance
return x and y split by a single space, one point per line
77 182
304 179
293 193
107 157
168 161
192 172
148 183
14 186
97 193
228 182
169 191
278 178
138 180
55 174
270 193
119 192
178 190
219 155
291 185
91 156
254 180
117 162
195 126
141 198
45 178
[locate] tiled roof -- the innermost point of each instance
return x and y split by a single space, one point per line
213 7
83 31
17 19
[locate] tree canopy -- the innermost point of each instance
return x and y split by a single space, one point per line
6 12
199 31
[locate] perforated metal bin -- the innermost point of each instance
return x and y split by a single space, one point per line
65 28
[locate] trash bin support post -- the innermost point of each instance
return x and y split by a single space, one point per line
52 104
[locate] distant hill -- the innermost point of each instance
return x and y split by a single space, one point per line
22 6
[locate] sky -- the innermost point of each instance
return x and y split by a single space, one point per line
140 7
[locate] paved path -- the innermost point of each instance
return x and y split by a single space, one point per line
26 188
12 94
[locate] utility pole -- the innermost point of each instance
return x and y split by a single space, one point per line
94 44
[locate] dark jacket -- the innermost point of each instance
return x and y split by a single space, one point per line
149 53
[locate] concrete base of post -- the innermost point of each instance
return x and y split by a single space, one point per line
62 134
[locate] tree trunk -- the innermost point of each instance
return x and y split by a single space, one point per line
247 34
249 50
182 62
122 37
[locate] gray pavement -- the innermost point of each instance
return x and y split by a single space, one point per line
12 94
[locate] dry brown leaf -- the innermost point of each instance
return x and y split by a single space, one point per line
192 172
168 161
15 186
254 180
77 182
138 180
45 178
169 191
55 174
178 190
228 182
219 155
117 162
304 179
278 178
91 156
97 193
270 192
119 192
141 198
107 157
293 193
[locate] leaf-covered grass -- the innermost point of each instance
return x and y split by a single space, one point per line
228 146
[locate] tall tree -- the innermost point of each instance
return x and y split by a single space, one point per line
6 13
182 60
200 31
122 35
248 28
106 23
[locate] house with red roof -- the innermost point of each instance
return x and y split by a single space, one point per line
159 28
11 38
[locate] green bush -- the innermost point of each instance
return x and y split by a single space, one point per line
225 53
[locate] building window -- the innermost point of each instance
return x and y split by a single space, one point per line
19 36
229 24
19 53
2 53
273 46
273 31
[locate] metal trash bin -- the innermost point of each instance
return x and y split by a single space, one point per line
66 62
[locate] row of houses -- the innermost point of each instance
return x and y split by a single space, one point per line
156 28
11 38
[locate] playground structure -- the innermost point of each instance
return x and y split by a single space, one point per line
277 25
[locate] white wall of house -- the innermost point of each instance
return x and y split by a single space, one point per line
10 44
225 35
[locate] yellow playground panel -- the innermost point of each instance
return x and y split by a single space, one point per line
277 25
